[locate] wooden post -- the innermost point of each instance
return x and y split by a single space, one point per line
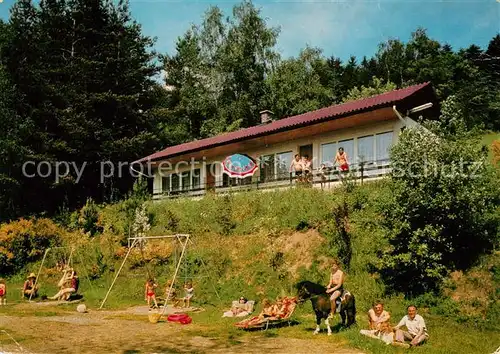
38 275
117 274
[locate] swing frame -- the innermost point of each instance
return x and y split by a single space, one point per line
133 242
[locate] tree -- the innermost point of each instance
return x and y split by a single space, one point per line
295 87
12 151
392 58
377 87
186 73
218 72
440 214
83 75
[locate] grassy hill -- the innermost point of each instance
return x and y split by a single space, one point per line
256 245
259 245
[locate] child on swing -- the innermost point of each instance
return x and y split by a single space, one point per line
149 293
189 292
3 292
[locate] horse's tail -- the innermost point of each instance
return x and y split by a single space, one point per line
354 307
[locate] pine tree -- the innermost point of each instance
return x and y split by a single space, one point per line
84 75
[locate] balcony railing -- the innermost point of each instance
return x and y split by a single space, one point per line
326 179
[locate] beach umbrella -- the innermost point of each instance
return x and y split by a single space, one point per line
239 166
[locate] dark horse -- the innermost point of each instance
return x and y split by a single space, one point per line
321 304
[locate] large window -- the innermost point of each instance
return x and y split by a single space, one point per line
165 184
328 152
365 149
183 181
275 166
186 180
195 179
267 168
383 142
175 179
283 161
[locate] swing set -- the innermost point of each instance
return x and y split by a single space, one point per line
179 240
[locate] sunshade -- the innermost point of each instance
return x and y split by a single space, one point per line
239 166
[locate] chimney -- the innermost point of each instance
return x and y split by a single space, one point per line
266 116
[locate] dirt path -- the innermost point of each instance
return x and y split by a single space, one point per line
102 332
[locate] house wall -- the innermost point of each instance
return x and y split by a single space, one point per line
392 125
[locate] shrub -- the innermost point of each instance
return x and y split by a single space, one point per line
141 224
340 215
128 207
25 241
224 215
89 217
440 215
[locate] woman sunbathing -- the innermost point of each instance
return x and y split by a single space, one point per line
268 311
281 309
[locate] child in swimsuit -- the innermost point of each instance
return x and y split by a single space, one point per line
188 288
3 292
149 293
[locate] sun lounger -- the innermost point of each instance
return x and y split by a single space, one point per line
264 323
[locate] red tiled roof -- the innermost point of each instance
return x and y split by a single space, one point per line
308 118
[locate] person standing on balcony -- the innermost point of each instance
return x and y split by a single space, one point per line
297 167
341 160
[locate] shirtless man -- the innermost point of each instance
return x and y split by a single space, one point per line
378 320
341 160
336 285
297 166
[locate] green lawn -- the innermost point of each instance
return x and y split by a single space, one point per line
446 336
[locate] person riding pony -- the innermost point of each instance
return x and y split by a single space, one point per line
336 285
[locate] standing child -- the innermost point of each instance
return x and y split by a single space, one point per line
149 293
189 290
3 292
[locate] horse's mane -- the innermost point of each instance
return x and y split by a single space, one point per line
313 288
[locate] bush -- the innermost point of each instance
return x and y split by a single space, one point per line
440 215
25 241
89 217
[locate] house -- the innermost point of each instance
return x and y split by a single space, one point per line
365 128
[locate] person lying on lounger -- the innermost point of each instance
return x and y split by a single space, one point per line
281 309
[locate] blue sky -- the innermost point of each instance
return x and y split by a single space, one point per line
340 28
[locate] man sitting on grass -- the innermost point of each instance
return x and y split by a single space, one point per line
416 330
378 320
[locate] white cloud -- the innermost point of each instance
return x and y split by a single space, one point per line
320 24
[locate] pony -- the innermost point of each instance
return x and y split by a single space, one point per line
320 301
